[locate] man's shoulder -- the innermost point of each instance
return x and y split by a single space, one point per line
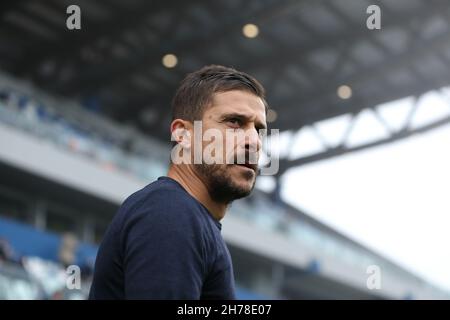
163 191
163 198
157 208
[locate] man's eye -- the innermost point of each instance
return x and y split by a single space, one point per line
235 121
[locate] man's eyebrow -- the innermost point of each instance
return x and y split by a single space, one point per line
242 116
235 115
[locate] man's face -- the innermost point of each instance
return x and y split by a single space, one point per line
238 115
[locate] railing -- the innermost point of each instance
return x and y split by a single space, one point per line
64 135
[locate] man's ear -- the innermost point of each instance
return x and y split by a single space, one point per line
181 133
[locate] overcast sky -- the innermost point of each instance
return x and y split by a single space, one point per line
394 198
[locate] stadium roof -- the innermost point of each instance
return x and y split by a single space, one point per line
305 51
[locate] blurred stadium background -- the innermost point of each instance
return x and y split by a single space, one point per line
84 118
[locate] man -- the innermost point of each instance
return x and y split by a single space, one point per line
165 241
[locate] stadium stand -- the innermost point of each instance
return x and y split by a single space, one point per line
254 222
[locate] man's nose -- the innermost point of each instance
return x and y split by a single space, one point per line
252 140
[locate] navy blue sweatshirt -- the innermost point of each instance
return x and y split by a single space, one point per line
163 244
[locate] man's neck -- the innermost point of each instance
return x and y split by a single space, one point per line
195 186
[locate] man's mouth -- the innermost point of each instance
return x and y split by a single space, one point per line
254 167
245 161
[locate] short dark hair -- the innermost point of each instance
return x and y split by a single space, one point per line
197 89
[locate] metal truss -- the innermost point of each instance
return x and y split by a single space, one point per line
405 131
